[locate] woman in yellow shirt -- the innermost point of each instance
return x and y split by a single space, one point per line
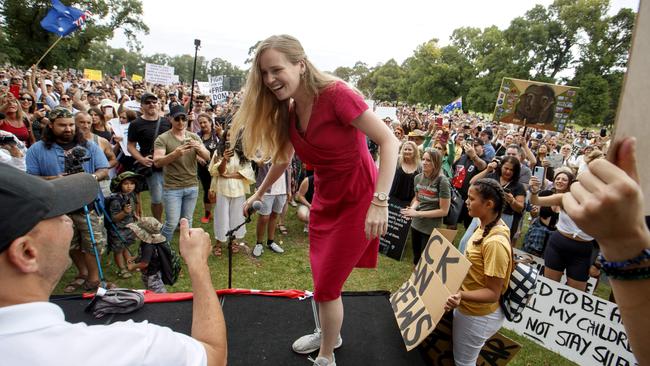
477 314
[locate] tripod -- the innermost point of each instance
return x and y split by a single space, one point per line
231 238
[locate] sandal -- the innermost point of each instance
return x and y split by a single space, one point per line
235 248
124 273
216 251
92 286
75 284
283 230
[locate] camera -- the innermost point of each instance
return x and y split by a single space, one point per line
197 42
73 160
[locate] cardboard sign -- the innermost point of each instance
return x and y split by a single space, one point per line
136 78
393 243
538 263
535 104
438 347
633 108
158 74
420 302
91 74
216 90
581 327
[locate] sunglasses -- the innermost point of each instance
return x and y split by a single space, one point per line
29 99
65 99
150 102
199 102
180 119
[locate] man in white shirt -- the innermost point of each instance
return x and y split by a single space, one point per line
35 237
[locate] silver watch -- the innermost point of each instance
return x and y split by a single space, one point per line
381 196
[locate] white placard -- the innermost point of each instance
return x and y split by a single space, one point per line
383 112
159 74
581 327
204 87
216 90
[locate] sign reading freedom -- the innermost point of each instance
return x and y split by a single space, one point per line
420 302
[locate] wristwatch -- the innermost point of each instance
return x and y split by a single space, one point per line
380 196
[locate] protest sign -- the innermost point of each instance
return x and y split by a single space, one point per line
538 263
383 112
420 302
91 74
393 243
633 108
204 87
159 74
581 327
136 78
438 347
216 90
535 104
370 103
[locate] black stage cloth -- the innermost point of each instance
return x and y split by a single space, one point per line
261 329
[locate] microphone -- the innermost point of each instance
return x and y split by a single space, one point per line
256 206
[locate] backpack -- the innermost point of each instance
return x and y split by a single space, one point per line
521 288
456 203
170 263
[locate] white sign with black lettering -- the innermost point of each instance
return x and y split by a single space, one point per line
581 327
216 90
159 74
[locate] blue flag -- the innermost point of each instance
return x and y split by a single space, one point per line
63 20
456 104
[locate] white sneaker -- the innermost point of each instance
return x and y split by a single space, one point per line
258 250
311 342
323 361
305 229
276 248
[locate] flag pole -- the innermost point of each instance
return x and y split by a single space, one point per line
48 50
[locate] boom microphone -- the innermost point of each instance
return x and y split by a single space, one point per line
256 206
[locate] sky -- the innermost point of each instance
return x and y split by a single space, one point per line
333 33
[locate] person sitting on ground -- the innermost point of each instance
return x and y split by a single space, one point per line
35 238
123 206
304 196
148 229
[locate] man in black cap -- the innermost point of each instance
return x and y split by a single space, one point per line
175 151
143 132
35 238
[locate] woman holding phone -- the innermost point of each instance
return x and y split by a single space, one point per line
289 104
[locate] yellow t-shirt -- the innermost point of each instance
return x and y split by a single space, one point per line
492 258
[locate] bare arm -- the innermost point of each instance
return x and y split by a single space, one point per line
490 168
208 324
275 172
489 294
302 190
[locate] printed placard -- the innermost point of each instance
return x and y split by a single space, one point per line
419 303
91 74
581 327
217 93
136 78
535 104
159 74
393 243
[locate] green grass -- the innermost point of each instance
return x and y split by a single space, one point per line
291 270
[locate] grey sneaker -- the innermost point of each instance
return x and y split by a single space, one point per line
311 342
276 248
323 361
258 250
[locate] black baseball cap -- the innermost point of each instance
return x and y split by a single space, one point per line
147 96
28 199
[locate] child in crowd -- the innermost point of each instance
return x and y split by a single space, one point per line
123 207
148 231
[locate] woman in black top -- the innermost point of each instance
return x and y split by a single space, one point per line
408 166
100 127
210 134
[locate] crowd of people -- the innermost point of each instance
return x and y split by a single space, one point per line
297 136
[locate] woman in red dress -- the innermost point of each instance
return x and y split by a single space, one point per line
289 104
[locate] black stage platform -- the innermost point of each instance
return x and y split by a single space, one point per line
261 329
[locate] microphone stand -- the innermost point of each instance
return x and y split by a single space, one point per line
231 237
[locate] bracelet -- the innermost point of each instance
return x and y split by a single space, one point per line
378 205
644 256
642 273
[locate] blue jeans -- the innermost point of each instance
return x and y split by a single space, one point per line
178 203
155 183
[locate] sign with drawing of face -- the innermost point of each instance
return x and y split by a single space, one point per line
535 104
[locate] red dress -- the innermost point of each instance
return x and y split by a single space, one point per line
344 182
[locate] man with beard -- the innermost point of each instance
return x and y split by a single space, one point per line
51 158
143 132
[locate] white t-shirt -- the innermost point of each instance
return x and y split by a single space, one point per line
280 185
37 334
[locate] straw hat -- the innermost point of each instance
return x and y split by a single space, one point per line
148 230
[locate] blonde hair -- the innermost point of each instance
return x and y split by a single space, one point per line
416 152
262 120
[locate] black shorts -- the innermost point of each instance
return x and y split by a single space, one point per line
564 254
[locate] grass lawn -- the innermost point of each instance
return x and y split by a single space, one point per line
291 271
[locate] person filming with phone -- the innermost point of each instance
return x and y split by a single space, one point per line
176 152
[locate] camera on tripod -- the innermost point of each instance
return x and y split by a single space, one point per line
74 160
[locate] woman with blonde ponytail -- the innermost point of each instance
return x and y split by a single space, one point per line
477 314
289 104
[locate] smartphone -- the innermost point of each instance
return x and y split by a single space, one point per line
187 140
15 90
39 105
539 173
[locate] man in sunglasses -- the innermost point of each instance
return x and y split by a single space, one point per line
176 151
143 132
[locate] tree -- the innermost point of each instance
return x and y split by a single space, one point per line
20 21
592 101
